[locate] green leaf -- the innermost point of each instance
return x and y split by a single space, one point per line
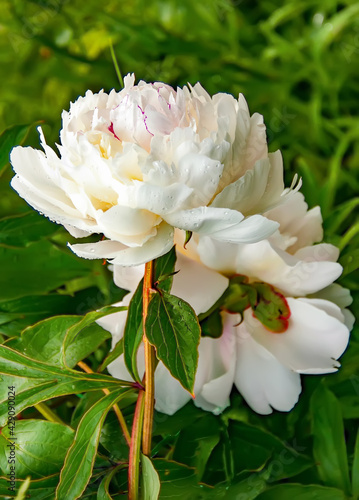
301 492
40 489
355 469
254 448
112 355
40 267
19 230
172 327
329 447
72 333
45 381
179 482
196 442
133 333
80 458
103 491
44 341
150 481
17 314
39 447
163 268
10 137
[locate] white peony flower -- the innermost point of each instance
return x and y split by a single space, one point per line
263 365
137 163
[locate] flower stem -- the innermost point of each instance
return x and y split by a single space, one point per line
135 448
149 366
117 410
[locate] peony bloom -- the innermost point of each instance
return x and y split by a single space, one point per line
263 365
138 163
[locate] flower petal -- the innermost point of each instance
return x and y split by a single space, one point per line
263 262
121 255
312 343
223 224
261 379
169 393
191 281
119 222
216 365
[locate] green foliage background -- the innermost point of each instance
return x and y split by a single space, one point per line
297 63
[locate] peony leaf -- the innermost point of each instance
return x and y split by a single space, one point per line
41 265
80 458
196 442
19 230
40 381
42 489
150 481
103 491
74 337
172 327
253 448
329 446
163 272
112 355
40 447
301 492
73 332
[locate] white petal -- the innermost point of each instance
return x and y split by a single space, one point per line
193 279
169 394
318 253
127 277
215 374
326 306
223 224
119 222
115 323
257 190
261 379
75 232
312 343
263 262
337 294
163 200
121 255
295 220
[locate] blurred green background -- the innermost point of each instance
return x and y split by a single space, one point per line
297 63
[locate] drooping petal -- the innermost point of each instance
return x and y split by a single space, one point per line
223 224
121 255
263 381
